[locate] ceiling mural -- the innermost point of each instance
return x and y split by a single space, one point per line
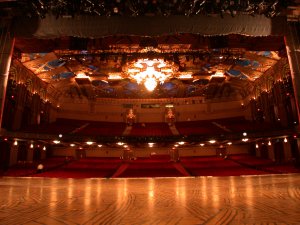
151 72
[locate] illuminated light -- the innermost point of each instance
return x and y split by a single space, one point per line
89 142
15 142
5 139
229 143
295 122
150 83
12 96
181 142
44 148
245 139
185 76
176 145
56 141
120 143
212 141
145 71
99 146
133 70
150 144
114 76
242 104
58 106
72 145
256 146
244 134
60 135
285 140
201 144
125 146
80 147
31 145
82 75
295 136
269 143
218 74
278 119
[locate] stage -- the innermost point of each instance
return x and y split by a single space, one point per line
267 199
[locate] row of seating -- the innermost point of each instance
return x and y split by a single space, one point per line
233 165
205 127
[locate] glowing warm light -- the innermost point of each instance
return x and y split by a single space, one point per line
269 143
176 145
72 145
185 76
181 142
245 139
150 144
120 143
212 141
82 75
60 135
150 72
285 140
201 144
16 142
56 141
256 146
150 83
44 148
244 134
114 76
218 74
31 145
229 143
99 146
89 142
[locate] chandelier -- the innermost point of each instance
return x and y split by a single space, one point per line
150 72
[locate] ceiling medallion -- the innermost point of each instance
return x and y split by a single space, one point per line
150 72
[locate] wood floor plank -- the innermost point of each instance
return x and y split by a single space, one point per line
268 199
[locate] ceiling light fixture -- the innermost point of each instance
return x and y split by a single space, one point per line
150 72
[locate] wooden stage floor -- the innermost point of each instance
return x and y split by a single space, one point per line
272 199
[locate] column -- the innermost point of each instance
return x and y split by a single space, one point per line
6 50
19 110
30 154
293 51
13 159
287 151
292 40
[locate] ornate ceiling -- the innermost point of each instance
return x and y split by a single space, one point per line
215 68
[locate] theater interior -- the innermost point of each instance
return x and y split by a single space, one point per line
119 94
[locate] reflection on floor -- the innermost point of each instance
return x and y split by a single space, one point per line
265 199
